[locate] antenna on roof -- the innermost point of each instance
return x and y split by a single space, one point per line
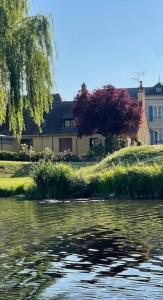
138 77
159 78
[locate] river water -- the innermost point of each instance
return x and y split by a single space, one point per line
81 250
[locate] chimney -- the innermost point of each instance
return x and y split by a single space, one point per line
83 88
141 85
141 94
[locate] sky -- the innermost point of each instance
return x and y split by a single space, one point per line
103 42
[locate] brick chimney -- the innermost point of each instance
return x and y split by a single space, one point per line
141 94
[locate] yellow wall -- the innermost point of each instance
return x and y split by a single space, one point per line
8 144
154 100
143 134
80 146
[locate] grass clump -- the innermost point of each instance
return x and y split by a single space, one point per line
57 180
132 182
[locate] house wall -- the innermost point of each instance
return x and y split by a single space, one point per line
80 146
156 125
9 144
143 134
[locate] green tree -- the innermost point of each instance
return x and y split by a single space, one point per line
25 64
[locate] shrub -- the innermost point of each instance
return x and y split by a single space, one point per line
115 143
133 182
95 153
29 154
53 180
57 180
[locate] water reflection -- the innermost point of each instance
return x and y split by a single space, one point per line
100 250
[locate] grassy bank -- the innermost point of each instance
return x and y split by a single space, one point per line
135 172
14 186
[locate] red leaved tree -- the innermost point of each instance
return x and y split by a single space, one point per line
108 111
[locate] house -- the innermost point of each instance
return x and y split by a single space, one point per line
154 110
59 132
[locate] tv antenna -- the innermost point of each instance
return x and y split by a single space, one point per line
138 77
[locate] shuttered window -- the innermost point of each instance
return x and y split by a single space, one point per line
150 113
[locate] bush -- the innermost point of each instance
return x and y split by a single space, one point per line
133 182
52 180
95 153
29 154
115 143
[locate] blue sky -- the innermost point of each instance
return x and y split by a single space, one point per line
105 41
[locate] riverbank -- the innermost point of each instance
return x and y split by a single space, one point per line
135 172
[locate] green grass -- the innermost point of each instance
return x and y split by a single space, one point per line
14 186
15 182
143 155
14 168
116 168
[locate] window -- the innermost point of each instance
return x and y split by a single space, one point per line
156 136
150 113
158 89
93 142
7 140
28 142
155 113
65 144
69 123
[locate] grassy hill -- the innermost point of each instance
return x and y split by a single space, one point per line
143 155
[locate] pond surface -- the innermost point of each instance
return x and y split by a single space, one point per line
81 250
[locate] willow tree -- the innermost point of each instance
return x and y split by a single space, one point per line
25 64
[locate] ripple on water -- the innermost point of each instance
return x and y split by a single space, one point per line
99 250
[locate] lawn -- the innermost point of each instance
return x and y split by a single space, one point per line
15 182
14 168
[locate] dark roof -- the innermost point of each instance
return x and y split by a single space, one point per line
54 120
148 90
61 110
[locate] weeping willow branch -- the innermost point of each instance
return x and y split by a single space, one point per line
25 64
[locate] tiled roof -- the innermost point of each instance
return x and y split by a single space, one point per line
54 120
148 90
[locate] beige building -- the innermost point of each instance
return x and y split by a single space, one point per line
154 111
59 132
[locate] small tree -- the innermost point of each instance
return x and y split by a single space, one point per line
107 111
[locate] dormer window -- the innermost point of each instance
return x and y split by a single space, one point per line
158 89
69 123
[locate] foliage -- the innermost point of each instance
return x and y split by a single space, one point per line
57 181
52 180
108 111
115 143
25 55
14 169
135 172
133 182
95 153
29 154
132 155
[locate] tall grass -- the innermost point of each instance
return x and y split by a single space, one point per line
57 180
132 182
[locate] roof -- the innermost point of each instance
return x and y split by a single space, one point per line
61 110
148 90
53 121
